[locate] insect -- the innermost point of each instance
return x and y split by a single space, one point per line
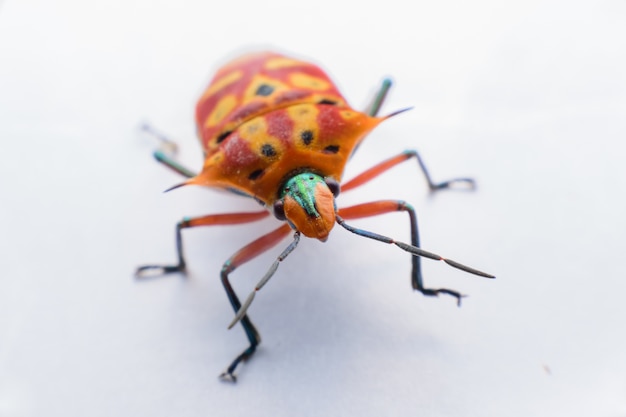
276 129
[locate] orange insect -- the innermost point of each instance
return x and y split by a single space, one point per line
277 129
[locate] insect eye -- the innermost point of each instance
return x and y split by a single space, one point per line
279 210
333 185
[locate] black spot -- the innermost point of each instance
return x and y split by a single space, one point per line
327 101
331 149
255 174
264 90
307 137
223 136
268 150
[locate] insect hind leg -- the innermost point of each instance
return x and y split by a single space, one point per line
166 152
379 98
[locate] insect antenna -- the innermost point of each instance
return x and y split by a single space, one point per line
413 250
270 272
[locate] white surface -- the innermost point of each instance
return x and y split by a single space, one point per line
528 97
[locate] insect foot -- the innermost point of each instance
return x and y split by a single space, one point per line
152 271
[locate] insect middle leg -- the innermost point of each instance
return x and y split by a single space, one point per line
372 109
376 208
187 222
384 166
242 256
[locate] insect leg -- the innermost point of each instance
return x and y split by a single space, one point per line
245 254
269 274
382 167
377 101
187 222
375 208
166 152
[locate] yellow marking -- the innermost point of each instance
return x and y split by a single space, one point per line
222 82
259 80
306 81
301 111
221 110
304 117
282 62
348 114
255 133
214 160
254 128
274 143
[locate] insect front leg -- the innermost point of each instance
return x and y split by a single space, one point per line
245 254
376 208
384 166
187 222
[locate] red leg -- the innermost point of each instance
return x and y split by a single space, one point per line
210 220
255 248
373 208
242 256
382 167
225 219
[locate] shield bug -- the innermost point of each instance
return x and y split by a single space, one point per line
276 129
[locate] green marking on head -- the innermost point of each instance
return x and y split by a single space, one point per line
308 204
301 188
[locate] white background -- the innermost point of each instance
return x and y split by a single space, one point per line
527 97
